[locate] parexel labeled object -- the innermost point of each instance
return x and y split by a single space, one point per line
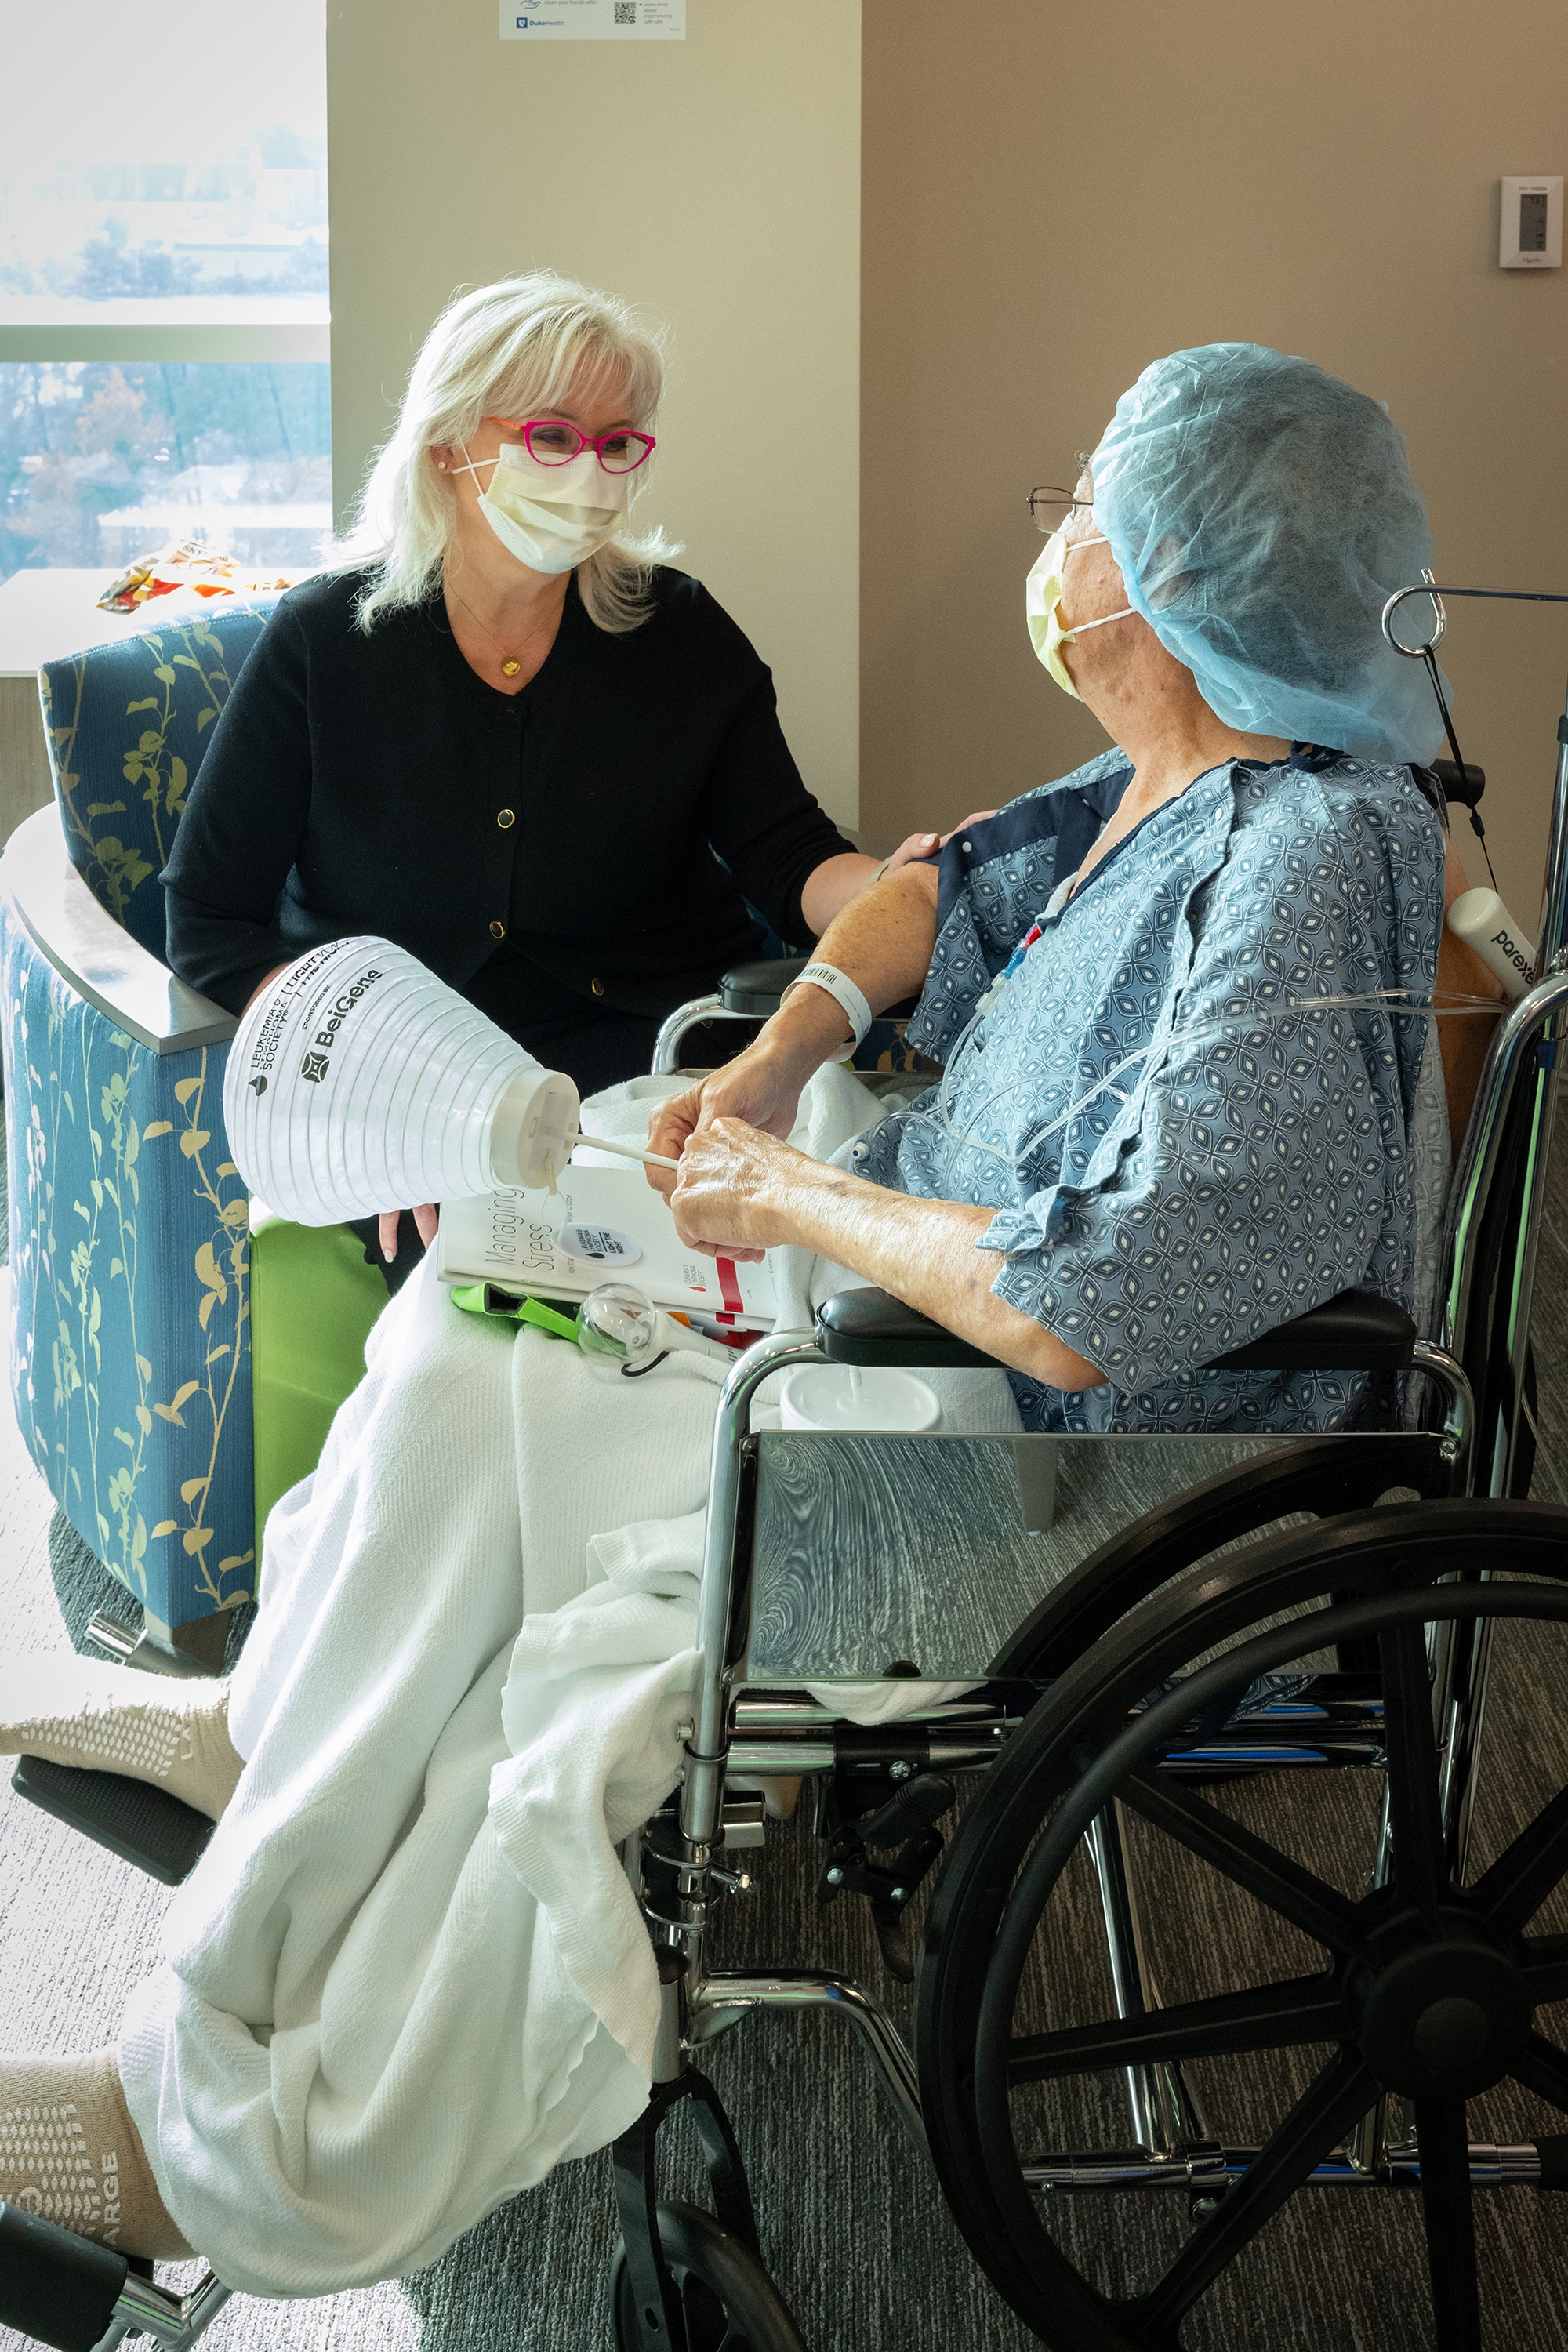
359 1081
1484 923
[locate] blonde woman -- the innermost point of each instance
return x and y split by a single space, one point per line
505 732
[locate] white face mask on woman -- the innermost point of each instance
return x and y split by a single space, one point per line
1042 596
551 517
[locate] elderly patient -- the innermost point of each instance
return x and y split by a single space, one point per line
1188 1094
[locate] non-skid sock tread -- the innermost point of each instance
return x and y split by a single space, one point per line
70 2153
144 1741
93 1717
47 2169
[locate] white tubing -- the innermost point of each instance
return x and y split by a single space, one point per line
1484 923
359 1082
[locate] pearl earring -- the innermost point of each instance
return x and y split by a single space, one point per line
441 464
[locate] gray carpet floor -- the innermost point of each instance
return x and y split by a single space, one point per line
853 2224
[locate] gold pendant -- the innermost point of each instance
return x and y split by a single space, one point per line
510 667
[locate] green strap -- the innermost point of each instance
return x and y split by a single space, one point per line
484 1298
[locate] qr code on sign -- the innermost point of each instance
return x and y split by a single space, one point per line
626 12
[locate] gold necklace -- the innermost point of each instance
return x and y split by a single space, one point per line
509 663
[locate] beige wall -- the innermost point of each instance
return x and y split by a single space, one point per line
1053 196
714 181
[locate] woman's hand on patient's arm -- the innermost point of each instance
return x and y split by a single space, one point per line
828 889
740 1191
926 844
883 940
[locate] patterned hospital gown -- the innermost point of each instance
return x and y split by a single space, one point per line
1195 1103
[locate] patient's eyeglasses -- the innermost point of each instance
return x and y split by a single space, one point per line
1049 508
551 442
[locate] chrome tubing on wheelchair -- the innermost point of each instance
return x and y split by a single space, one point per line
702 1795
667 1046
1533 1022
698 2006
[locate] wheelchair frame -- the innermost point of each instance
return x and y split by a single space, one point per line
87 2298
1480 1368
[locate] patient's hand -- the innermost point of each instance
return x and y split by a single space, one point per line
732 1187
761 1085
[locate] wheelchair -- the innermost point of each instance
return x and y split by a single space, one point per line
1207 1632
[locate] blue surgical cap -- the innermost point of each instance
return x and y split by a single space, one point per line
1262 513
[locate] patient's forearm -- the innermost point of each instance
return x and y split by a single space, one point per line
830 888
884 938
924 1252
883 942
738 1189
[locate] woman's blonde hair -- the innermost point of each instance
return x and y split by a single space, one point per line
513 349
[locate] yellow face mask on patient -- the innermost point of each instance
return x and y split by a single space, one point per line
1042 596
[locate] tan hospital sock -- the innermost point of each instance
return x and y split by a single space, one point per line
111 1718
70 2154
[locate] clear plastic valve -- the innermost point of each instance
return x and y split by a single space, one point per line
619 1322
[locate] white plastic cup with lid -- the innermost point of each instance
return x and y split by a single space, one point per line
840 1398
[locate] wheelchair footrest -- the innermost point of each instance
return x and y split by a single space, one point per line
140 1824
55 2287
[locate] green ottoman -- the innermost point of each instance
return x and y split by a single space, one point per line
313 1301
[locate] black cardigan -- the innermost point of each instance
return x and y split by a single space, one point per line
546 853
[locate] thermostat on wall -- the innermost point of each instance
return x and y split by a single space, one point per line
1531 235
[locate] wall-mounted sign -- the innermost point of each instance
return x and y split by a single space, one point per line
594 20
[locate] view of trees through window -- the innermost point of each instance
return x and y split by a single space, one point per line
108 461
163 168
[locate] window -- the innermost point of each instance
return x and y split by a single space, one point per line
163 294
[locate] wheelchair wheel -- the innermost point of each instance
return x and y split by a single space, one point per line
1421 1986
730 2303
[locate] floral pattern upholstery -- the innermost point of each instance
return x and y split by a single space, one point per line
129 1340
127 724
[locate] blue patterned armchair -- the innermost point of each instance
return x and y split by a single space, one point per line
129 1267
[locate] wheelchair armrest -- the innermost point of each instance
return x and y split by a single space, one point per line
1353 1333
756 988
1356 1332
872 1327
94 954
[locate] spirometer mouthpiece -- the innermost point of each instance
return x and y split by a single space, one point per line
1484 923
358 1082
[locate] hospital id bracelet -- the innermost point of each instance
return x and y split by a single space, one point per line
843 991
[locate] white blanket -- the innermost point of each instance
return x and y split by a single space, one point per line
409 1976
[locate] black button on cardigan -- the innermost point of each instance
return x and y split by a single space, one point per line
352 784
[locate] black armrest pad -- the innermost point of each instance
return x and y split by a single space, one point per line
756 988
1353 1333
872 1327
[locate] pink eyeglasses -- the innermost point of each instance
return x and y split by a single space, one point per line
550 442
